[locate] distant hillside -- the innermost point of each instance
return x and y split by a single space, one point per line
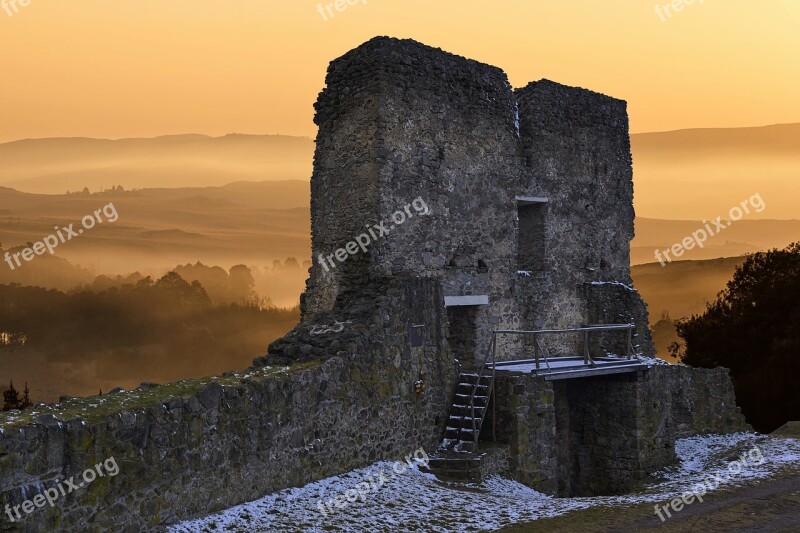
680 290
702 173
679 175
57 165
252 223
255 221
263 194
258 223
684 287
781 140
742 237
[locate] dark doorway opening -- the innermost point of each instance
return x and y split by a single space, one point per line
463 332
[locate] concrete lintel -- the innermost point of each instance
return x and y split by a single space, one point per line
527 200
456 301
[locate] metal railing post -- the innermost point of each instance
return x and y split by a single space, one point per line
474 437
630 342
494 383
585 347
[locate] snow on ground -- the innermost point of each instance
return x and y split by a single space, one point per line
414 501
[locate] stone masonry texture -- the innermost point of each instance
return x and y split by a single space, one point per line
604 435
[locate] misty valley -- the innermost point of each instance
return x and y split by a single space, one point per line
198 274
123 330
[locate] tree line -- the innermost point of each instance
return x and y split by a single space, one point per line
168 322
753 328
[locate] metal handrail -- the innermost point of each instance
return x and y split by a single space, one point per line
596 327
493 352
538 348
584 329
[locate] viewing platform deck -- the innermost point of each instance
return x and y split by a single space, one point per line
569 367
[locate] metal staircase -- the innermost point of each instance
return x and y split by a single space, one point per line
467 413
470 407
458 456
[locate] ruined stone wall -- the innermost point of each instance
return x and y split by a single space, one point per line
617 303
400 121
601 422
702 400
603 435
191 450
449 137
526 420
577 155
345 182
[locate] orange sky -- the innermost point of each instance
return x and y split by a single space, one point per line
121 68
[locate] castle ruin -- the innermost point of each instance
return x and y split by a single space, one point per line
526 227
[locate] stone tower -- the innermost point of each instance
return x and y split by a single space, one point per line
528 193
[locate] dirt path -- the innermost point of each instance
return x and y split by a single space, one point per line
772 505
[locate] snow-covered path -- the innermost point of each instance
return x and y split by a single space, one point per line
414 501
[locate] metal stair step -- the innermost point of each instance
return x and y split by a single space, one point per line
467 388
468 411
472 378
463 399
459 411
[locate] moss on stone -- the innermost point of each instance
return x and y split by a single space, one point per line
95 409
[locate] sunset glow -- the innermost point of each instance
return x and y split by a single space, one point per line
115 68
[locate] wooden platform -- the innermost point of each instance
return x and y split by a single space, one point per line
570 367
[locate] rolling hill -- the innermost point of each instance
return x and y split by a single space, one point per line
703 173
683 288
59 165
679 290
252 223
741 238
679 175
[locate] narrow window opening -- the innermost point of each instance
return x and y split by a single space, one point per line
531 237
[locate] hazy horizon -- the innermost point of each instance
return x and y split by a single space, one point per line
311 137
142 82
681 175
